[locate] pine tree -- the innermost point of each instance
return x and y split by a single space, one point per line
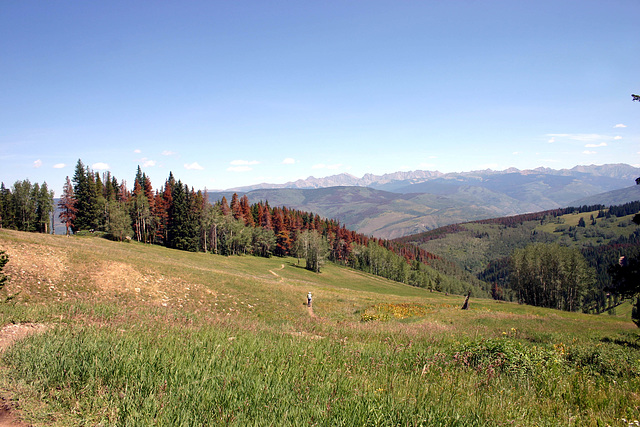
87 209
236 210
245 209
167 197
224 206
67 205
267 220
182 232
6 208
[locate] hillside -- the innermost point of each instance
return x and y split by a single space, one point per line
134 334
405 203
615 197
482 248
373 212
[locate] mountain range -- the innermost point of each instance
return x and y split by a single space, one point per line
403 203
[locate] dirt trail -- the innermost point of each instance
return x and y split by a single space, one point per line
311 313
8 335
276 274
309 308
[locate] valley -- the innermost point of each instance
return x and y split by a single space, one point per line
406 203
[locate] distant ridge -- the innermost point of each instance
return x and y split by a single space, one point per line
612 198
403 203
393 181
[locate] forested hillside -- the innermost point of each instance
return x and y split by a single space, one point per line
406 203
503 251
179 217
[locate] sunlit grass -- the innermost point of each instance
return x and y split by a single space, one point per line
143 335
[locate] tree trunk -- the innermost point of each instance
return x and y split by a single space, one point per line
465 306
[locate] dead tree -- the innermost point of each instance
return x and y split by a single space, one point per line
465 306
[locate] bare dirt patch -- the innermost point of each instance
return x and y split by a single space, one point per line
113 278
14 332
7 417
33 267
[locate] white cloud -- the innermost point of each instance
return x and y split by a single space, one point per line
137 151
288 161
244 162
584 137
239 168
168 153
59 165
620 125
193 166
602 144
37 163
551 140
617 138
100 166
148 163
515 153
588 152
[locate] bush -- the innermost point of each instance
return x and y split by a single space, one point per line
504 355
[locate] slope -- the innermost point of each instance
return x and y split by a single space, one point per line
144 335
380 213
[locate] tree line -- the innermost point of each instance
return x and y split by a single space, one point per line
27 207
177 216
550 275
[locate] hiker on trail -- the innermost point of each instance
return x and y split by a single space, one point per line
309 299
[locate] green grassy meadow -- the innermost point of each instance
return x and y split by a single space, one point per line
143 335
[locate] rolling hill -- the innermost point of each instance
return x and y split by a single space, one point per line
375 212
406 203
104 333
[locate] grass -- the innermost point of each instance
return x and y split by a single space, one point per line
150 336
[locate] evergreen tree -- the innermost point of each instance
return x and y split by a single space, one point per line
182 230
224 206
236 210
167 201
7 214
266 221
245 210
87 209
67 205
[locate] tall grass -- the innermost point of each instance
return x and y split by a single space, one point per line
162 374
230 342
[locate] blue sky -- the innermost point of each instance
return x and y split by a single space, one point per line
233 93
